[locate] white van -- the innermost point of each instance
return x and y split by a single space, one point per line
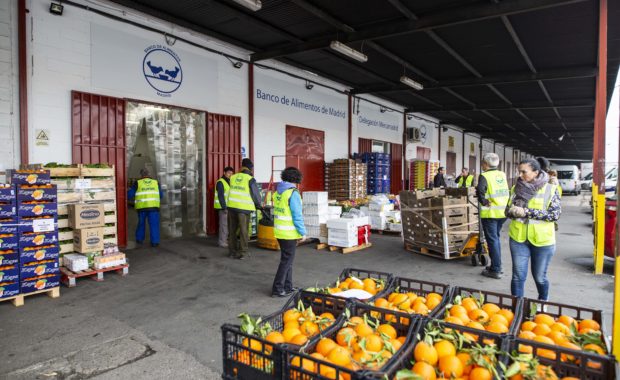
568 176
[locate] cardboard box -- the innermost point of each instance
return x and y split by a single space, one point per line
34 284
27 223
39 268
86 215
9 289
32 254
7 210
9 257
88 240
36 193
9 273
38 239
75 262
7 193
37 209
8 226
9 241
29 177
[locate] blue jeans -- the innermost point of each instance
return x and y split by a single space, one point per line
153 219
492 228
541 257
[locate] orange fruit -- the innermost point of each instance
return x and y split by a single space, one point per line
567 321
325 345
528 326
572 346
589 324
444 348
381 302
475 325
354 321
305 364
396 344
542 329
557 337
291 315
363 330
346 336
420 308
327 315
252 344
469 304
544 319
374 343
545 353
480 373
387 330
458 309
544 339
291 325
560 327
464 357
508 314
498 318
424 352
450 366
424 370
299 340
289 334
497 328
594 348
309 328
275 337
527 335
356 284
362 357
479 315
490 308
339 356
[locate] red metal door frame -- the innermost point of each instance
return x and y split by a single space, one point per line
306 155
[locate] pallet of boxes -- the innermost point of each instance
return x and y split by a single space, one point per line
87 222
384 219
317 211
346 179
438 222
29 241
349 233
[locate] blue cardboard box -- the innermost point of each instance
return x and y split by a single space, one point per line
7 193
9 289
29 177
34 254
34 284
9 241
9 273
36 193
37 209
9 257
25 223
8 226
7 210
39 268
37 239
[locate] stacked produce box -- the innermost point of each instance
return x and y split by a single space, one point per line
37 215
9 247
316 212
347 179
421 174
378 172
348 232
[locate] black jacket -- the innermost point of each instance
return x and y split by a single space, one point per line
221 192
439 181
254 193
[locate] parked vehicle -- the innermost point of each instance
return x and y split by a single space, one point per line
586 182
611 180
568 176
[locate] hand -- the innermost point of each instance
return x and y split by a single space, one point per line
304 238
518 212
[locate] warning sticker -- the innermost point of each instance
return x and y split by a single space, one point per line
42 137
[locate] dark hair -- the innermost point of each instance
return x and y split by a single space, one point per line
247 163
440 168
534 164
544 163
291 174
229 169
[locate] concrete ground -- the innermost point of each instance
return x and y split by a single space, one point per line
163 320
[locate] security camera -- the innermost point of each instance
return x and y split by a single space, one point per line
309 86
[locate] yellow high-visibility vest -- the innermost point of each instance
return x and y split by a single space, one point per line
468 182
239 194
497 194
147 194
538 232
284 228
216 201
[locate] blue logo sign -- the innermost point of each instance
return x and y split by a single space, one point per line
162 69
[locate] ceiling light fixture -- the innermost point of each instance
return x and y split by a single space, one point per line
348 51
561 137
253 5
411 83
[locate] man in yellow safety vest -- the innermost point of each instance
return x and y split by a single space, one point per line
222 187
465 179
243 199
289 227
146 196
493 194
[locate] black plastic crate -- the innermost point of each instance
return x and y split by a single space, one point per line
555 310
582 365
420 288
387 278
504 301
405 325
406 361
242 362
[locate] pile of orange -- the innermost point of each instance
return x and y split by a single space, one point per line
409 302
300 326
360 344
530 369
473 314
563 331
371 285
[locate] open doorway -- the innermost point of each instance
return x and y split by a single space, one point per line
168 142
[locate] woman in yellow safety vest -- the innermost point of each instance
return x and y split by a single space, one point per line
288 223
534 207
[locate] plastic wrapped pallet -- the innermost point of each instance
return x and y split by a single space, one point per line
316 212
75 262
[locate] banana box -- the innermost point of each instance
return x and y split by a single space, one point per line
7 193
9 257
37 239
33 284
9 241
27 223
39 268
36 193
37 208
29 177
7 210
36 254
9 289
8 226
9 273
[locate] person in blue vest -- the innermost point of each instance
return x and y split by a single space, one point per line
146 197
222 187
288 222
534 208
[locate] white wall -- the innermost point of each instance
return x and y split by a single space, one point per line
9 96
457 136
475 140
430 137
371 123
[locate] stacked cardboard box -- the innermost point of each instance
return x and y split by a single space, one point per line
87 221
346 179
345 232
9 252
37 222
316 213
421 174
378 167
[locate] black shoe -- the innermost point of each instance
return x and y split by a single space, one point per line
489 269
154 245
282 294
139 242
491 274
293 290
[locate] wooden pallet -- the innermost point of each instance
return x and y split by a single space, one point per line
18 300
386 232
343 250
68 277
436 253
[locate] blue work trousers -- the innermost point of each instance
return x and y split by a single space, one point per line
153 218
541 257
492 228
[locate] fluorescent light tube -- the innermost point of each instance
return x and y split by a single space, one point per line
349 52
411 83
254 5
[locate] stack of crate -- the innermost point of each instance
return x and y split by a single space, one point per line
9 247
378 172
421 174
347 179
37 213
